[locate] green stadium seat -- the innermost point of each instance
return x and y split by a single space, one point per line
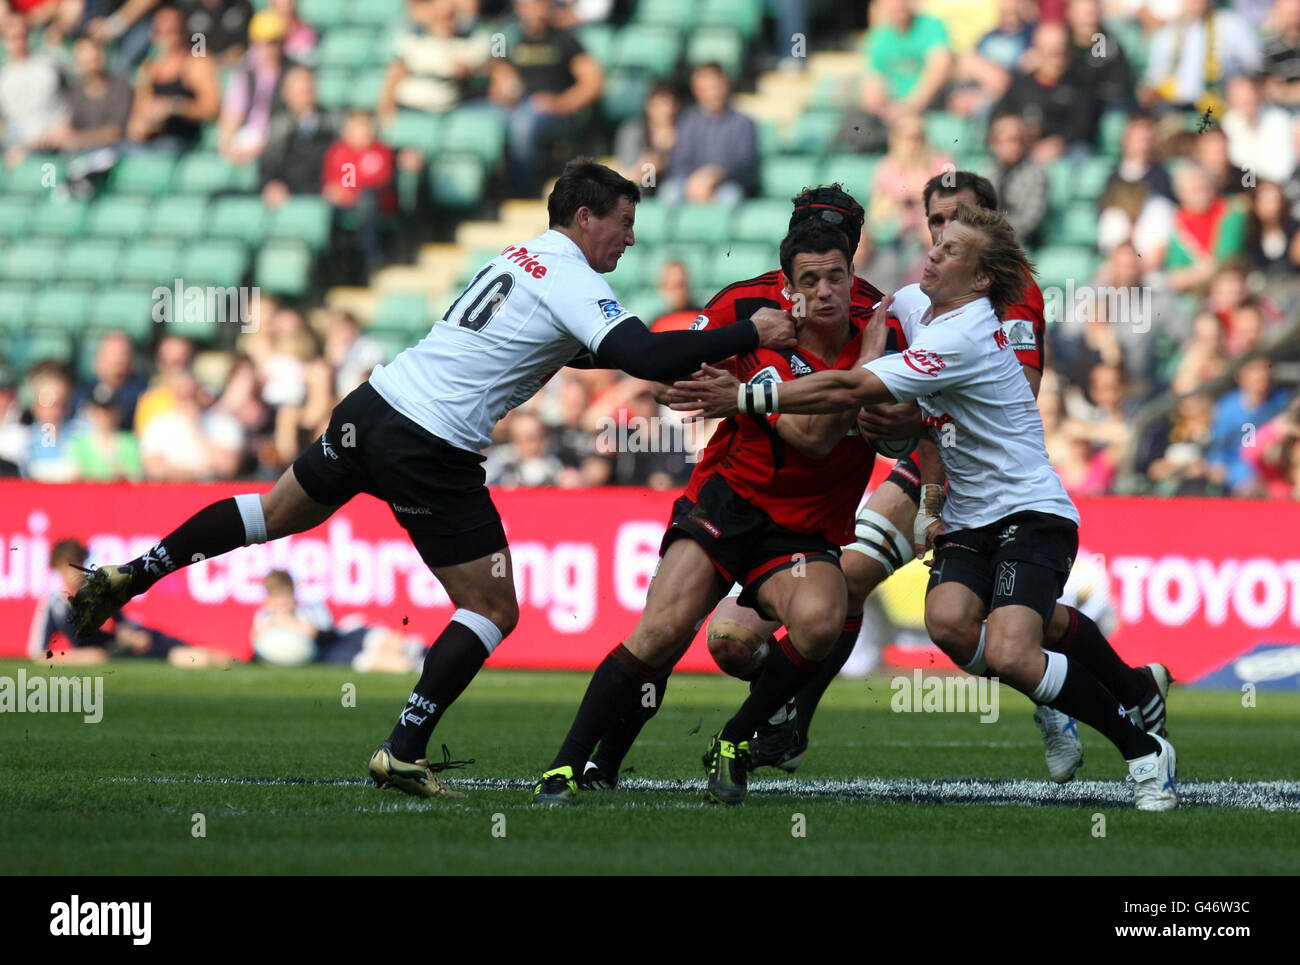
645 303
1060 185
813 132
949 133
66 307
392 341
36 174
119 217
284 268
655 259
1090 178
375 12
15 307
414 129
701 223
217 263
33 262
652 222
403 312
457 180
745 15
333 89
367 85
769 138
1057 264
762 221
833 91
1077 226
91 260
784 176
28 348
597 39
627 275
204 172
723 45
60 218
669 13
624 94
652 48
854 171
179 216
1111 133
350 49
16 216
153 261
242 218
736 263
324 14
476 131
146 173
126 308
302 218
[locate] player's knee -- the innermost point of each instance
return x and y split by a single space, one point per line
953 633
1018 660
862 575
814 633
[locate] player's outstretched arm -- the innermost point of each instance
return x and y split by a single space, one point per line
667 356
714 394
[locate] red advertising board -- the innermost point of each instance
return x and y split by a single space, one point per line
1195 583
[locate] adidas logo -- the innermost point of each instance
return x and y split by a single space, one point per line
799 367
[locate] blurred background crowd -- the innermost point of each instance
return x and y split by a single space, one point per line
355 162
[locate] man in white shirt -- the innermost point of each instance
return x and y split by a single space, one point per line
412 434
1010 533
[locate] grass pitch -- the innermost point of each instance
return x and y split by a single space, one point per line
275 763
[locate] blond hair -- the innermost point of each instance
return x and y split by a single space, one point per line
1000 259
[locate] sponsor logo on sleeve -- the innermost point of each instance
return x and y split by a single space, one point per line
701 322
1020 334
925 361
610 308
766 376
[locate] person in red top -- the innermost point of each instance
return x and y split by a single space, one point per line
358 175
768 506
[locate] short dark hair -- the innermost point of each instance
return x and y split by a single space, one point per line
585 183
67 551
950 182
813 237
831 204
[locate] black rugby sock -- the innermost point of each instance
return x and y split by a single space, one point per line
449 666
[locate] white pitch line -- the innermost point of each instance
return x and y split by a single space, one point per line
1245 795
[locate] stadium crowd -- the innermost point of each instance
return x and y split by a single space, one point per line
1195 225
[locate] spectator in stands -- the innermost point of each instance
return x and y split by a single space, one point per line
572 442
1056 98
297 382
116 382
124 26
102 451
674 289
1137 161
350 352
99 105
1139 315
300 135
1238 416
1181 74
982 75
1207 231
1109 70
223 24
241 398
358 178
1259 135
1104 420
1137 202
173 358
1021 183
545 80
525 459
1276 454
55 19
288 633
434 58
716 154
1247 332
300 37
187 443
1172 453
47 453
1211 153
1282 54
1274 236
176 92
53 638
909 62
32 103
898 184
252 95
644 144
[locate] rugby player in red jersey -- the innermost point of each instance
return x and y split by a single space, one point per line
768 506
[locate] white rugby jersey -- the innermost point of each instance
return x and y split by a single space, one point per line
979 408
525 315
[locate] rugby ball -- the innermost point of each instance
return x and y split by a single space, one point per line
894 448
284 646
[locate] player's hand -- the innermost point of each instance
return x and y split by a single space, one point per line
873 339
711 394
775 328
890 420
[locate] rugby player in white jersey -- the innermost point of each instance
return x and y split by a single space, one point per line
1010 532
412 436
